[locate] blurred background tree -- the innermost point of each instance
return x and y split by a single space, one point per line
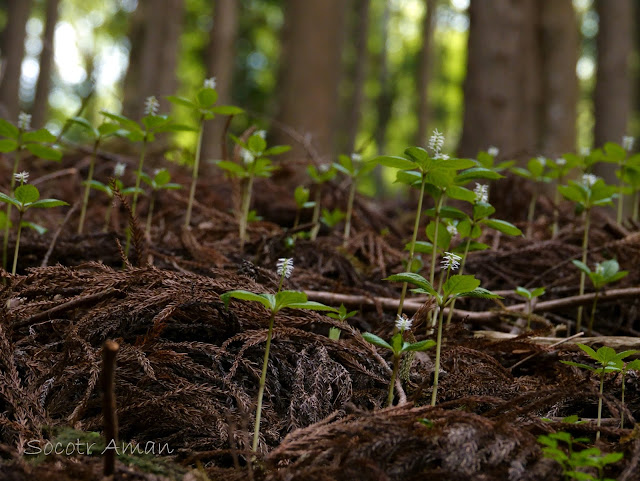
533 77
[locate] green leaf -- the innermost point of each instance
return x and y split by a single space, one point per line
421 247
85 125
232 167
418 154
94 184
48 203
578 364
397 343
633 365
44 152
394 162
482 210
408 177
590 352
444 238
40 135
524 292
461 193
285 298
8 145
614 152
301 195
446 212
162 177
26 193
107 128
7 129
376 341
181 101
311 305
125 123
459 284
155 122
477 173
538 291
226 110
207 97
277 150
9 200
502 226
415 279
36 227
457 163
479 293
267 300
256 144
582 266
420 345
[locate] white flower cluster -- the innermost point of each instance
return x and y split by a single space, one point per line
589 179
436 142
482 193
355 157
452 229
210 83
118 170
247 156
627 143
451 261
561 161
493 151
261 133
151 106
284 267
403 323
24 121
21 177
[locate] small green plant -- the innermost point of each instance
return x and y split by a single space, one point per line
26 197
301 196
341 315
332 218
18 140
590 192
204 108
618 154
108 189
398 346
274 303
605 273
255 163
320 176
353 168
106 129
538 171
160 181
558 171
529 297
573 462
609 361
455 287
628 366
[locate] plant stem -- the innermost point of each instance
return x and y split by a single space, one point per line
412 246
394 373
593 313
434 251
529 314
107 215
462 263
585 248
347 223
532 211
17 248
297 220
622 401
600 404
246 202
143 152
620 194
556 208
436 372
87 189
636 200
5 243
263 381
152 202
194 178
316 213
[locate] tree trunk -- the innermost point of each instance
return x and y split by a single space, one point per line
12 46
220 63
358 30
41 101
310 71
155 40
424 70
613 86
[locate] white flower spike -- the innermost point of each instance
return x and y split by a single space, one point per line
451 261
627 143
118 170
21 177
589 179
482 193
151 106
247 156
210 83
24 121
493 151
355 157
403 323
452 230
561 161
436 142
284 267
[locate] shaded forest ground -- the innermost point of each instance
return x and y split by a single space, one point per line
188 368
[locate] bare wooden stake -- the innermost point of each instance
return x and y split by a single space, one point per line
109 405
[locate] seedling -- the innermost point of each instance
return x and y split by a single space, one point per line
455 287
274 303
256 163
609 361
572 461
529 297
558 170
202 106
398 346
589 193
605 273
618 154
118 172
537 171
332 218
321 175
628 366
341 315
301 196
25 197
487 159
160 181
355 170
97 136
18 139
630 175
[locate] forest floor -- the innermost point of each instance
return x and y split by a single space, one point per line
188 369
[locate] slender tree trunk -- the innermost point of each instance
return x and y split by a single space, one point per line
41 101
12 46
310 72
424 71
359 30
220 62
155 39
612 97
